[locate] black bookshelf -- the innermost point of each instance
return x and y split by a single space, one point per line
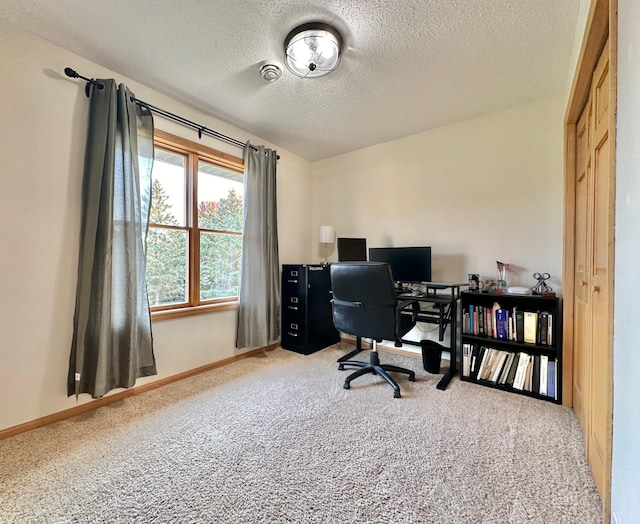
479 334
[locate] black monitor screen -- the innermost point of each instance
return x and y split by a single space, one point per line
408 264
352 249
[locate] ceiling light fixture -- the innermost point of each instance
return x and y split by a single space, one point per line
312 50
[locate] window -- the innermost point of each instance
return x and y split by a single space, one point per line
194 242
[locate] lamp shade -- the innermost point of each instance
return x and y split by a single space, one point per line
327 234
312 50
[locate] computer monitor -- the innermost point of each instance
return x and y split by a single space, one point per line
409 265
352 249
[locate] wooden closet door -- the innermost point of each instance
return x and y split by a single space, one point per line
584 183
590 142
601 370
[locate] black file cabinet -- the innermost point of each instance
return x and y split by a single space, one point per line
307 321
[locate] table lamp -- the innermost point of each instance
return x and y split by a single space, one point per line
326 236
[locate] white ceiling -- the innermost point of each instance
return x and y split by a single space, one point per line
407 65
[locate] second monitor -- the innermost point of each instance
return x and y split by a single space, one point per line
352 249
409 265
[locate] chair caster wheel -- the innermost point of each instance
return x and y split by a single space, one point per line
346 386
396 394
340 367
412 378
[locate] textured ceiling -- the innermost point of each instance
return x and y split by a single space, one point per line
407 65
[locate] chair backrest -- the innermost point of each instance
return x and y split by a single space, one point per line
364 299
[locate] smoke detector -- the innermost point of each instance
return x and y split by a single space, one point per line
270 71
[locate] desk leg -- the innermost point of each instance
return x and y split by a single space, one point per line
441 323
444 381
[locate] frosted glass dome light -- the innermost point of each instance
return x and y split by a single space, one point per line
312 50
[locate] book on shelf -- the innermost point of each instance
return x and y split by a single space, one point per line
494 358
519 326
502 379
535 378
543 374
512 325
486 363
466 359
483 359
512 369
551 379
521 371
474 320
550 329
528 373
543 320
530 327
476 355
502 324
479 352
489 322
501 358
494 311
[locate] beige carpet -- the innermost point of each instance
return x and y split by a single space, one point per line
277 439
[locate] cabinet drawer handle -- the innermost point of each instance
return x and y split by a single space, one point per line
292 281
584 283
292 334
596 289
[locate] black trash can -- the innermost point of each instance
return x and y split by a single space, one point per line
431 356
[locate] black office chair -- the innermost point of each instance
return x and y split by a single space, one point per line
365 305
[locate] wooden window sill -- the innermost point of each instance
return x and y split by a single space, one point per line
167 314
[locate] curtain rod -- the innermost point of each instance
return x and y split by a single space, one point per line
202 130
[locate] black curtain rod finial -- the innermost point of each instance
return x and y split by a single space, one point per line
72 73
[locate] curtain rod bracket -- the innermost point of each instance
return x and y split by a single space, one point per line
71 73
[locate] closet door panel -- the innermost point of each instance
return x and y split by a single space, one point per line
600 394
582 271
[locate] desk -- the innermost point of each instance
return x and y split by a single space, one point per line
443 299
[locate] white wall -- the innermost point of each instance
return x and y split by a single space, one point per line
477 191
625 503
43 118
578 36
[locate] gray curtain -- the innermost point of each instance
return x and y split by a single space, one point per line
112 342
259 301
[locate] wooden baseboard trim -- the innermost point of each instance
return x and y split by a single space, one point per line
352 342
105 401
